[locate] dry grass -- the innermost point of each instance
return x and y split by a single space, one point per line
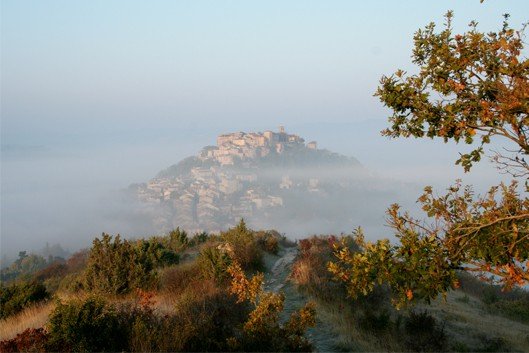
37 315
309 272
175 279
181 283
335 312
469 323
32 317
465 323
349 335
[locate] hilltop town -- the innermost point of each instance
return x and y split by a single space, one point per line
229 181
242 146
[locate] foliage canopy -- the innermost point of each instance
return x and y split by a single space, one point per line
471 86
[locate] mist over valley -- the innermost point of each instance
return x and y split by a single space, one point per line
65 191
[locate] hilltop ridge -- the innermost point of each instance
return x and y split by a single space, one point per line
259 149
260 176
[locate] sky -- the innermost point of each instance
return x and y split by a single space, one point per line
116 66
96 95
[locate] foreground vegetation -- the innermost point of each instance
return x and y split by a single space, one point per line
209 293
476 317
470 87
165 293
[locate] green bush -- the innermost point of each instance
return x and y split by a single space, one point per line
203 321
117 267
24 266
177 240
114 267
513 304
199 238
90 325
513 309
213 263
17 296
244 247
423 333
374 321
168 257
152 253
268 241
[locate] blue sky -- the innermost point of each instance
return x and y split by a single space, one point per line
102 66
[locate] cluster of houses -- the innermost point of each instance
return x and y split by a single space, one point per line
242 145
211 198
208 199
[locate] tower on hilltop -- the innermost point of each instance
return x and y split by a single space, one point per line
281 129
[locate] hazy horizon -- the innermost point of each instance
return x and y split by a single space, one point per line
98 95
69 194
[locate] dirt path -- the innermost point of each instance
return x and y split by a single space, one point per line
322 336
277 277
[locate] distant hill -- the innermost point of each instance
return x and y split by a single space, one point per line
271 179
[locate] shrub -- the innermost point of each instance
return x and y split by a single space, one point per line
373 321
90 325
207 317
30 340
213 263
177 278
147 332
53 270
17 296
72 282
77 261
113 267
117 266
204 318
513 309
199 238
309 271
177 240
423 333
513 304
243 246
168 257
24 266
263 330
52 275
152 253
268 241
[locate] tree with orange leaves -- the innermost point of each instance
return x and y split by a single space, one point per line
471 87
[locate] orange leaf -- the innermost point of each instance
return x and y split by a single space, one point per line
409 294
